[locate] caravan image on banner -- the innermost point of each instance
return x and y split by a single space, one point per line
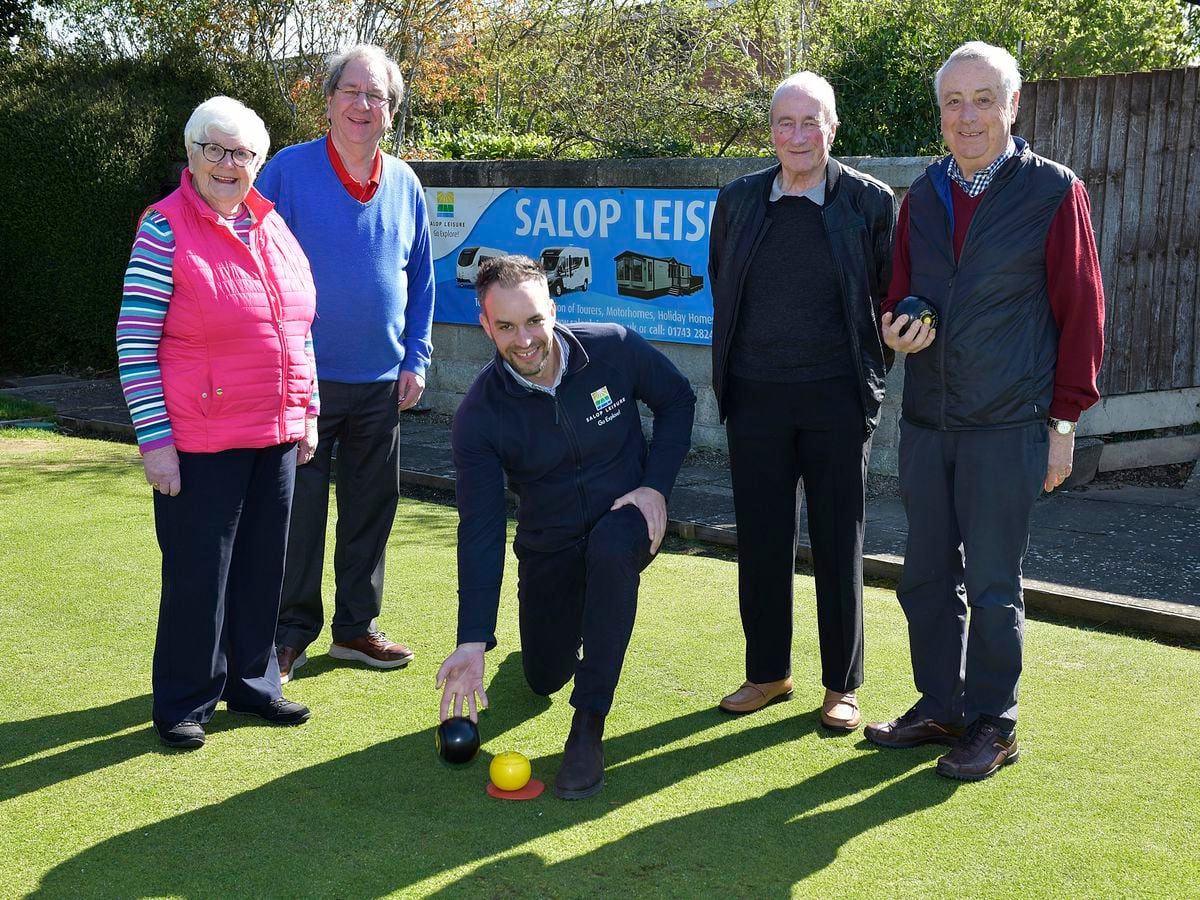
636 256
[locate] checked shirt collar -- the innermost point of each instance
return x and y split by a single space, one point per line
979 183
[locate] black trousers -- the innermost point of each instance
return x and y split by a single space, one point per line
779 434
364 421
222 540
968 496
583 596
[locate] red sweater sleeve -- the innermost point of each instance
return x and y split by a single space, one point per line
1077 301
901 266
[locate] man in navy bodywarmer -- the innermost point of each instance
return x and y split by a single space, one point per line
1000 241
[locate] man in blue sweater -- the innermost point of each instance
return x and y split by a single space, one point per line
360 216
556 411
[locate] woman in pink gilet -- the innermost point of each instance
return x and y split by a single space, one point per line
216 362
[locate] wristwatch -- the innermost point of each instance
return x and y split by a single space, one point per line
1062 426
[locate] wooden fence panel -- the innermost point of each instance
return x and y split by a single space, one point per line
1186 363
1134 140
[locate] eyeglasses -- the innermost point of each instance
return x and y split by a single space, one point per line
788 126
215 153
375 101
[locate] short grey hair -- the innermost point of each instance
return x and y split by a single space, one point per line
815 86
996 57
336 63
232 117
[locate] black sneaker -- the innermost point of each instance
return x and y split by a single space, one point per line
187 735
277 712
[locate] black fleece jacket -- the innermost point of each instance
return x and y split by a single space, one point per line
566 457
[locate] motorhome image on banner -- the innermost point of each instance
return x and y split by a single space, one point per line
631 255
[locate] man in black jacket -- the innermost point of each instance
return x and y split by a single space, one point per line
799 263
556 412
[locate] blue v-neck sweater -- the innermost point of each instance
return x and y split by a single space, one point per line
372 263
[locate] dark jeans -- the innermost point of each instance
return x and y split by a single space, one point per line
778 435
586 593
364 421
968 496
222 541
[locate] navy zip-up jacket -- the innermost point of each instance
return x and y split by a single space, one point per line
566 457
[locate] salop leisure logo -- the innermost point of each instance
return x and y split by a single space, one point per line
601 398
445 204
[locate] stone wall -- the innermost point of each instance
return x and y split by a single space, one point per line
460 350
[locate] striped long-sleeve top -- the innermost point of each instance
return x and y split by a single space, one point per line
145 297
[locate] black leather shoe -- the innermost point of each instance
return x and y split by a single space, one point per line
582 771
981 753
277 712
187 735
911 730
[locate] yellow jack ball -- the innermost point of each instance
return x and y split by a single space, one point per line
509 771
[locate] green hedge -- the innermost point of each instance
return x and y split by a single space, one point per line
85 146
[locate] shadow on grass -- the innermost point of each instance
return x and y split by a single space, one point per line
391 816
761 847
30 737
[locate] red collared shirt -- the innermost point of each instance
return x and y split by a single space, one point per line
360 192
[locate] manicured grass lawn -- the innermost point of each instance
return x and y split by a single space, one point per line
1104 802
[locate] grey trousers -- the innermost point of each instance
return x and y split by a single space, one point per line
968 496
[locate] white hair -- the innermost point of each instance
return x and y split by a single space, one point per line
815 86
232 117
336 63
996 57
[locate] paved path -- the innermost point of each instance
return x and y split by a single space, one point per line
1113 554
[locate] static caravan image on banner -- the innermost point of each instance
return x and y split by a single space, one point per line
470 259
567 268
647 277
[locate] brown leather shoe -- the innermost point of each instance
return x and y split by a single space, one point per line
289 659
910 730
840 711
981 753
374 649
582 771
751 697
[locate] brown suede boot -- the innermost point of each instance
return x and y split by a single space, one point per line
582 771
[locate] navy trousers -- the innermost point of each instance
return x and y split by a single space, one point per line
223 540
582 596
968 496
778 435
364 421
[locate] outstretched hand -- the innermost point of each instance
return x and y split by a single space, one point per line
461 680
653 507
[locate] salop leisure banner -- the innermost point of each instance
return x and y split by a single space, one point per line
636 256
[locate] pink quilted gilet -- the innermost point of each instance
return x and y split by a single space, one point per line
234 370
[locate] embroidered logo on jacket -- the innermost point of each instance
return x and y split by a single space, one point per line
601 399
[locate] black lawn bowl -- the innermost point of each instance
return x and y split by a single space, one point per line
457 740
918 309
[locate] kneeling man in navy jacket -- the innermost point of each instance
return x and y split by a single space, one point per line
557 413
